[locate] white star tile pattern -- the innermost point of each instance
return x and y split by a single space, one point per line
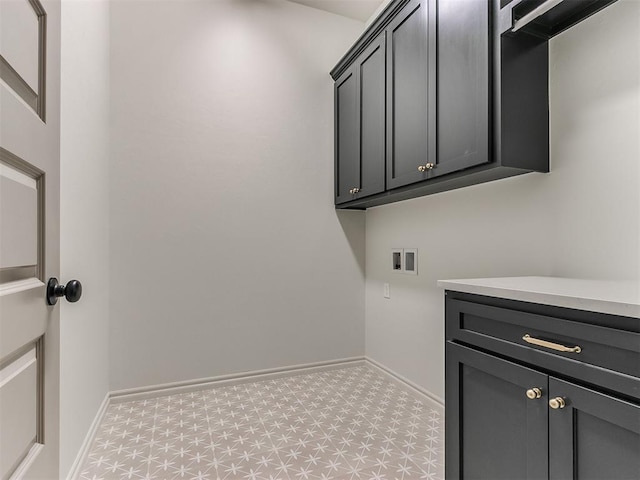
350 423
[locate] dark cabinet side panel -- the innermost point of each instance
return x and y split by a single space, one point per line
372 82
410 93
463 84
494 431
347 165
594 437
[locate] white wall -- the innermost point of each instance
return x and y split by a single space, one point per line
84 219
594 191
582 220
226 252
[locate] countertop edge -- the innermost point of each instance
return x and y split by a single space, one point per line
546 298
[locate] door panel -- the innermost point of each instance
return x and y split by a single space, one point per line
29 238
19 413
371 81
19 219
594 437
463 85
347 132
411 104
492 418
23 46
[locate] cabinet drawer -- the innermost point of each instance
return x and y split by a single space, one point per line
593 353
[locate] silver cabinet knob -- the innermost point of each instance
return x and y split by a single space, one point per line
557 403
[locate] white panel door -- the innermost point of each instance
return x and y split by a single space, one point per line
29 237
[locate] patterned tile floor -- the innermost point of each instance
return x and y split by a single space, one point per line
350 423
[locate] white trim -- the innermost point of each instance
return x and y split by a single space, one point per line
74 472
151 391
403 380
24 466
17 176
18 366
19 286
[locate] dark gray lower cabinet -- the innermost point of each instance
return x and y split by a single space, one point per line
594 437
494 431
517 410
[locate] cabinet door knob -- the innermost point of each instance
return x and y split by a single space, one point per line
557 403
534 393
356 190
424 168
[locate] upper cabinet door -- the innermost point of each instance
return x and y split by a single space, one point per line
463 84
411 93
371 70
593 436
347 133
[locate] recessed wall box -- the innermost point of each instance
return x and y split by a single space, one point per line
397 255
411 261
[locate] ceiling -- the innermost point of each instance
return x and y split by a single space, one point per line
356 9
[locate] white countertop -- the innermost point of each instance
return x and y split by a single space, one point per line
605 296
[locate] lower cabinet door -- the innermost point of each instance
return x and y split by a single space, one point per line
494 430
592 436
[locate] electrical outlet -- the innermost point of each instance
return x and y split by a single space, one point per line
387 291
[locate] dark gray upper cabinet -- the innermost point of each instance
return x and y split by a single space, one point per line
411 93
465 103
371 67
360 126
347 171
464 82
467 97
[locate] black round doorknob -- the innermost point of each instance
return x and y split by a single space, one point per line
72 291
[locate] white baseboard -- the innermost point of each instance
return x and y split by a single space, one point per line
403 380
150 391
74 472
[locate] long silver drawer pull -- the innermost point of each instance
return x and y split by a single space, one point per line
553 346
